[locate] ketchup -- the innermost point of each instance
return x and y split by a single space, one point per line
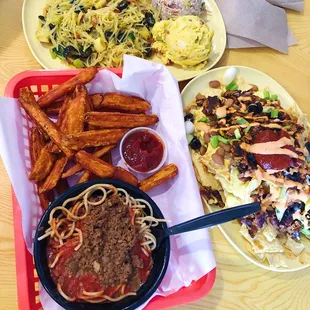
143 151
273 162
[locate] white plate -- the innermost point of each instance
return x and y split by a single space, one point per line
231 230
33 8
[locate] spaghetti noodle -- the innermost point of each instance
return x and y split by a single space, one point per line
74 227
88 33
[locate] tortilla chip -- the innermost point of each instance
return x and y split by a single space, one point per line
204 177
276 260
295 247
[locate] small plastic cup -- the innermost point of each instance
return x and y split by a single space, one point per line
165 154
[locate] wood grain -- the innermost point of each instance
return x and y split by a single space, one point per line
239 284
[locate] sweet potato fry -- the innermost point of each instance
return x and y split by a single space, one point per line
119 120
126 176
56 93
54 108
42 121
53 148
95 165
43 165
119 102
71 114
92 138
61 186
86 176
77 167
73 119
52 179
89 105
63 110
36 144
161 176
96 101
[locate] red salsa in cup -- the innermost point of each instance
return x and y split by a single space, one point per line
143 151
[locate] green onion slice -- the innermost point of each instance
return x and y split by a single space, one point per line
237 133
232 86
204 120
267 110
223 140
242 121
274 113
214 140
266 95
247 130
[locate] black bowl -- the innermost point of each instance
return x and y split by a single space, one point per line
160 256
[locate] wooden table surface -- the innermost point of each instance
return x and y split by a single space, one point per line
239 284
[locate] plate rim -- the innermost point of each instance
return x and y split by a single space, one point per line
186 78
221 228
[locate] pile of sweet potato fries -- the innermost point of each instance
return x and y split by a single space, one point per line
92 122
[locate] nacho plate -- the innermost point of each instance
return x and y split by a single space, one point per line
231 230
33 8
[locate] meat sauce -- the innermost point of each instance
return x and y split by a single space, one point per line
84 276
143 151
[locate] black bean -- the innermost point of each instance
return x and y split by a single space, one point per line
189 117
149 19
41 17
297 206
51 26
148 51
307 145
282 116
287 218
251 160
295 176
256 108
195 144
237 149
71 52
86 53
123 5
108 34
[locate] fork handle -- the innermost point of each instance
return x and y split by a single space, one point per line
214 218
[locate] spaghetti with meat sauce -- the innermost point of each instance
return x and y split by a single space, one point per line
100 244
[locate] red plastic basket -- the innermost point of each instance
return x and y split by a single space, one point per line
40 81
